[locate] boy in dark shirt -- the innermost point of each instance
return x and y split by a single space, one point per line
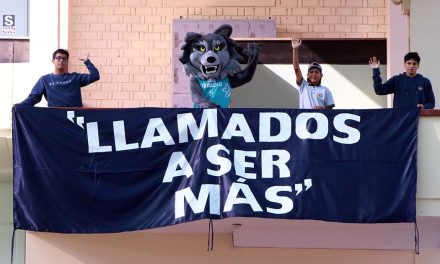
61 88
409 88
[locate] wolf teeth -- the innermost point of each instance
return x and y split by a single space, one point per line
209 69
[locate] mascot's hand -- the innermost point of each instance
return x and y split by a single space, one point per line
252 51
231 69
191 70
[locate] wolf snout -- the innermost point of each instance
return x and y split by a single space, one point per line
211 59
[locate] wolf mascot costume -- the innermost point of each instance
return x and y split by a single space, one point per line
212 62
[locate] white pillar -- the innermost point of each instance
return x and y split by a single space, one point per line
425 40
398 40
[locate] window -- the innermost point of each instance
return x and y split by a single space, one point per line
14 16
14 31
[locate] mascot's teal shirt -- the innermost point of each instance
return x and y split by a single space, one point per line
216 91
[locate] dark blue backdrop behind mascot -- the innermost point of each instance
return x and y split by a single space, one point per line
212 61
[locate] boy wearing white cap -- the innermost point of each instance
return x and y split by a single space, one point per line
312 95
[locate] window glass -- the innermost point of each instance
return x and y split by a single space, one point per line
14 18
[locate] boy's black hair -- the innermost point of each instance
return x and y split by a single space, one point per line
62 51
412 56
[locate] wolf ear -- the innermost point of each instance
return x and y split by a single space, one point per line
190 36
224 30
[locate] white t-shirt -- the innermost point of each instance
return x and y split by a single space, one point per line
311 96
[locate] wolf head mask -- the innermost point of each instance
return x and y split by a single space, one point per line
208 56
212 61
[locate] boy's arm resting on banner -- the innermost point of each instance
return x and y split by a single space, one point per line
36 94
330 103
430 98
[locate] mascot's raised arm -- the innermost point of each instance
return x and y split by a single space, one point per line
212 62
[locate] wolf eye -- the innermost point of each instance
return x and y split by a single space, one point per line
202 49
217 48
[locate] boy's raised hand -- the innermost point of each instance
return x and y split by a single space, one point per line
374 62
296 43
84 58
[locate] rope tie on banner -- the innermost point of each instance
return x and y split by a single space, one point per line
12 246
416 238
210 236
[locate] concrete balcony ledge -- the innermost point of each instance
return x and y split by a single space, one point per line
428 180
6 132
311 234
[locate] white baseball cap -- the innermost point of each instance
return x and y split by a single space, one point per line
314 65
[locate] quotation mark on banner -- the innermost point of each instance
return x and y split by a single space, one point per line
299 186
79 119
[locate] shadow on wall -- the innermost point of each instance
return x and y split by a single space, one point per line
266 90
345 72
273 86
352 86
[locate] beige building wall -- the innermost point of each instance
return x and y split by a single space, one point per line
130 41
425 40
145 247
